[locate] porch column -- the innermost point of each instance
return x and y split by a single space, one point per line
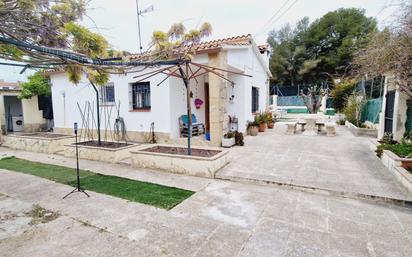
217 99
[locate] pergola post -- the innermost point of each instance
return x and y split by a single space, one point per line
189 108
99 141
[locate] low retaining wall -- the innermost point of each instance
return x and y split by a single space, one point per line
110 155
394 164
359 132
181 164
37 144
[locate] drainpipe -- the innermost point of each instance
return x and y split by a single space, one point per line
98 113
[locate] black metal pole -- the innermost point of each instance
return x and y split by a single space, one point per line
77 162
78 188
99 141
189 110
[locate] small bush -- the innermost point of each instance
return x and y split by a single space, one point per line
239 138
353 109
402 150
341 92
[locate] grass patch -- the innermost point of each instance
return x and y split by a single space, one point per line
132 190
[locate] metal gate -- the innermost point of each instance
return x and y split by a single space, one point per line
389 109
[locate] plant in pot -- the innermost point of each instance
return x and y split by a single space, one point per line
239 138
270 121
261 120
252 128
228 139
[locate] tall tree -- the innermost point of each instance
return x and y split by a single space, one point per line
288 58
335 38
319 51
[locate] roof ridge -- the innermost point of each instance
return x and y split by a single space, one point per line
215 44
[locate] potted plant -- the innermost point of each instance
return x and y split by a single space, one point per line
228 139
260 119
252 128
270 121
239 138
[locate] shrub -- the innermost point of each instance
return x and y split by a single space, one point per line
402 150
341 92
239 138
353 109
229 134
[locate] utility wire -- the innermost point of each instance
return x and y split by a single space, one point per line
273 16
271 23
283 13
277 12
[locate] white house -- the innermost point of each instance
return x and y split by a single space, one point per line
144 102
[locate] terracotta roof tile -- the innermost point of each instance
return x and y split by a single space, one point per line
206 46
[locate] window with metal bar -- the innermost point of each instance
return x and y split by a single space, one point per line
141 96
107 93
255 99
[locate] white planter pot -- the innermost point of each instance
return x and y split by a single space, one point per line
228 142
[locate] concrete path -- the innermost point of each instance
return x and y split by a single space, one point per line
222 219
343 163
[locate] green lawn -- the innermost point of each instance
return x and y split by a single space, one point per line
132 190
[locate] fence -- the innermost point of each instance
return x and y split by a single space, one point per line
371 110
290 101
294 90
298 101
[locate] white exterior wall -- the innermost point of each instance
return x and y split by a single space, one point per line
66 111
245 59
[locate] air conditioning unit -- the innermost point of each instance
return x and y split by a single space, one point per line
17 124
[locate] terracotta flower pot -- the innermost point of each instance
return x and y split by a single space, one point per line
271 125
253 131
262 127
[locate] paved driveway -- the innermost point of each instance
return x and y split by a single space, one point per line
343 163
223 219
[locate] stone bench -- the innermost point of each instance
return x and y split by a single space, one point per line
330 129
291 128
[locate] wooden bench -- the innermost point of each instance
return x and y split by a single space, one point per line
330 129
291 128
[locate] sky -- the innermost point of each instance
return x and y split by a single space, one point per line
117 20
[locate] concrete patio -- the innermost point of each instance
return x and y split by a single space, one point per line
221 219
342 163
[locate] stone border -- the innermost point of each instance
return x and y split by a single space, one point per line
394 163
359 132
181 164
104 154
37 144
